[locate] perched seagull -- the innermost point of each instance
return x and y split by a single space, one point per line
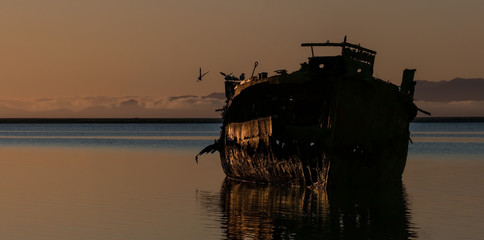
200 75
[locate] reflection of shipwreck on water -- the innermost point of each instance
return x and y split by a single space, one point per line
258 211
331 121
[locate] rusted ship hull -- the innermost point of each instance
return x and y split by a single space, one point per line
303 129
329 122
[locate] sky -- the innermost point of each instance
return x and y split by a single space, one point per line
149 51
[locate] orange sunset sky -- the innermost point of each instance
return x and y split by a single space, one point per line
126 58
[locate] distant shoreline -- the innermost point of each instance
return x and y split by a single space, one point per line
192 120
110 120
448 119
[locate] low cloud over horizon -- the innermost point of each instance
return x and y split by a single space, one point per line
456 98
188 106
459 97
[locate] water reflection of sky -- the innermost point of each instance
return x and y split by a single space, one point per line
114 188
444 140
168 136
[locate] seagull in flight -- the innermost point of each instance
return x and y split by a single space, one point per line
200 75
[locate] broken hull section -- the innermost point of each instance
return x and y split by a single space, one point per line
266 159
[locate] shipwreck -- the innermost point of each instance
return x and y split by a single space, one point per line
329 122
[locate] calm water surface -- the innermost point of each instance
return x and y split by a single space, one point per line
140 181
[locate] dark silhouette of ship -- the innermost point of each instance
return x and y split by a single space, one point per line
330 122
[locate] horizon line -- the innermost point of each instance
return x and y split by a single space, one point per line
191 120
110 120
